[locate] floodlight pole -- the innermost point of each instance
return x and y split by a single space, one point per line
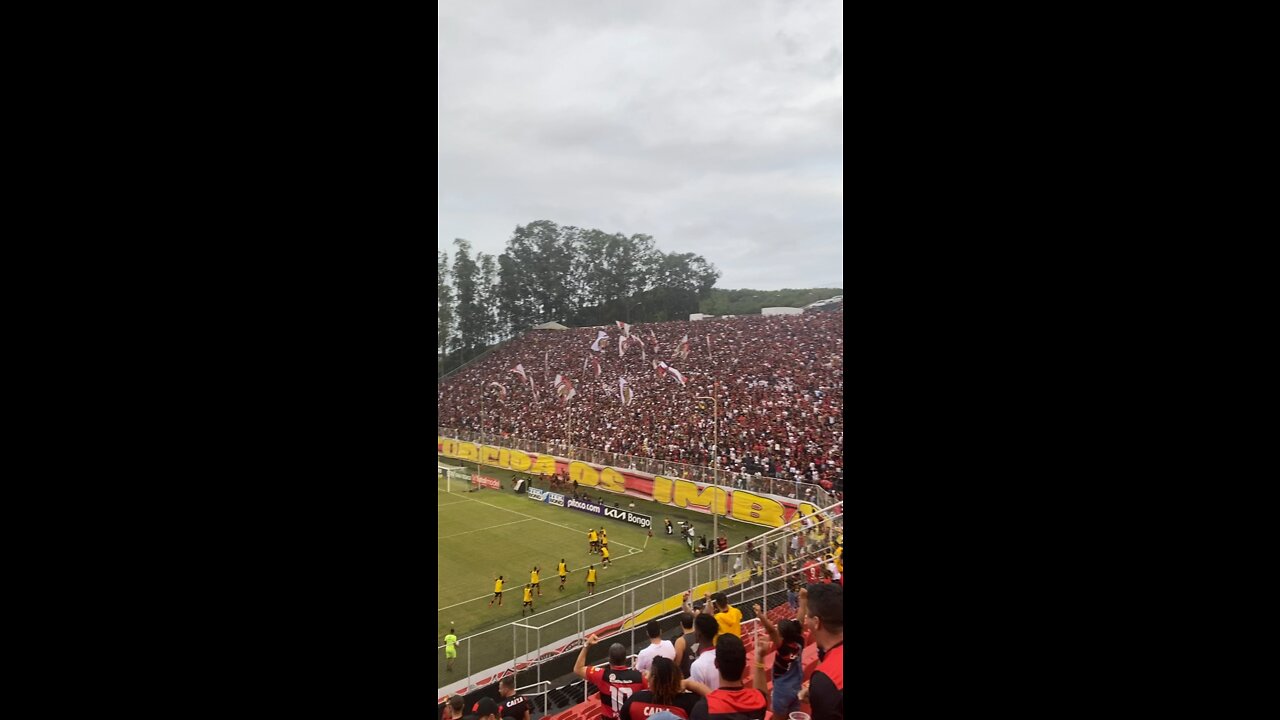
715 467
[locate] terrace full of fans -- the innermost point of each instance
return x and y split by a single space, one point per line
779 381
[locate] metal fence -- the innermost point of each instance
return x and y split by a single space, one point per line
613 612
783 487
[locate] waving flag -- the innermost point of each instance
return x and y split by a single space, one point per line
708 344
625 328
598 345
597 362
664 369
519 370
624 392
653 341
564 388
682 349
502 390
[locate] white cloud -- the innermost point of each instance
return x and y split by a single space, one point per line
715 127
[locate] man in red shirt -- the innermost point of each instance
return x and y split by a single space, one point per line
616 682
825 623
812 571
731 701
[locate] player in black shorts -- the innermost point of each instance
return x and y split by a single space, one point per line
528 600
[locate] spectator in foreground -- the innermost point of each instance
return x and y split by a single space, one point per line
703 669
787 637
657 648
665 693
825 622
616 682
731 701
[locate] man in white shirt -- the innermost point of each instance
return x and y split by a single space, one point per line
657 647
704 668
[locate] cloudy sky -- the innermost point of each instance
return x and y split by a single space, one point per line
716 126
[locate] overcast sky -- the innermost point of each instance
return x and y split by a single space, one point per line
716 126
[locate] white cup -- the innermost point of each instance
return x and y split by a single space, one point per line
797 715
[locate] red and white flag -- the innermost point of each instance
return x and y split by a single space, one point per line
502 390
708 344
624 392
598 345
564 388
625 328
519 370
596 360
653 341
664 369
682 349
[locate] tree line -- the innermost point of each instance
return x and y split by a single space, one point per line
574 276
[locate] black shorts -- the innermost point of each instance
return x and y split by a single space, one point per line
536 585
528 602
591 584
563 578
498 594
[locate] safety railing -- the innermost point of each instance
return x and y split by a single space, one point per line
613 612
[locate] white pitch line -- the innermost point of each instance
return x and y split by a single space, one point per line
566 527
513 522
464 602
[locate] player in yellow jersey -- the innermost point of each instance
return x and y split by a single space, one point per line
604 554
591 580
564 572
497 592
533 580
528 600
591 541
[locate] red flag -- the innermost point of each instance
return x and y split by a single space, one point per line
502 390
625 328
625 393
597 361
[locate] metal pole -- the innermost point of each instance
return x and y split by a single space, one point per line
764 564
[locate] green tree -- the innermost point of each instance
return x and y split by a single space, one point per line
487 299
444 310
470 315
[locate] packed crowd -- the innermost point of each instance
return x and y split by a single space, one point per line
779 381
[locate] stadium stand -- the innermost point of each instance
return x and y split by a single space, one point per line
780 389
591 708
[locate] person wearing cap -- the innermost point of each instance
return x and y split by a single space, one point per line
616 682
486 709
454 707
